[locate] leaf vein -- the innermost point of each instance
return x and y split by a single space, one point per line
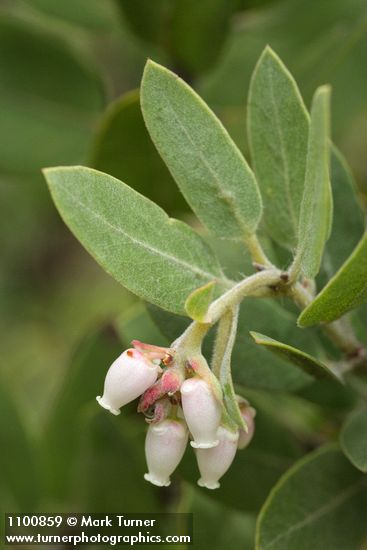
151 249
334 503
282 153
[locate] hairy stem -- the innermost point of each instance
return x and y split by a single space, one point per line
191 339
256 250
248 287
339 332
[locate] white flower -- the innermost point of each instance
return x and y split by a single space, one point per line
248 414
202 412
213 463
165 445
128 377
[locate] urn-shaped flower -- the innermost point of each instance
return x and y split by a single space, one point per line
165 445
213 463
128 377
202 412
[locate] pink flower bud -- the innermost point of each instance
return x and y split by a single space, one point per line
169 383
213 463
248 414
202 412
165 445
127 378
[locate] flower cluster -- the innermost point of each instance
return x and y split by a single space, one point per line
180 403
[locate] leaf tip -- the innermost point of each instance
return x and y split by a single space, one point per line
301 323
304 320
269 54
255 336
324 89
48 172
150 63
268 50
152 66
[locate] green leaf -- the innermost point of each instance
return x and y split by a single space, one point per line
353 439
158 258
316 207
256 367
319 503
120 144
206 164
345 291
84 379
306 362
198 302
278 133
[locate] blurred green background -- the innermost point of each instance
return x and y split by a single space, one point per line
69 71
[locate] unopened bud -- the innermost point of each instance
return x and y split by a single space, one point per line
248 414
213 463
202 412
165 445
128 377
168 384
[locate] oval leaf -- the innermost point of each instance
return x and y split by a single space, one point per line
353 439
345 291
198 302
306 362
320 503
160 259
206 164
120 144
316 207
278 133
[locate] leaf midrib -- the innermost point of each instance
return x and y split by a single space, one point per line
222 194
151 249
282 152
